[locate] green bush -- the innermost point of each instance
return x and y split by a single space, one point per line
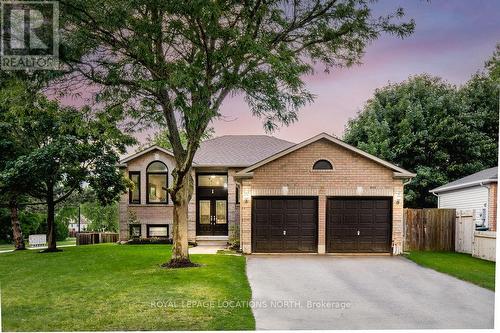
151 240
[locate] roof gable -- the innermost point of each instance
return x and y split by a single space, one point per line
482 177
145 151
398 172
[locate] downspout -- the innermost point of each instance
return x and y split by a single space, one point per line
436 196
238 184
404 224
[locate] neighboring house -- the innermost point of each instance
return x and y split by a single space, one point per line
73 225
475 192
270 195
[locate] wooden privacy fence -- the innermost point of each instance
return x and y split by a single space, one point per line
429 229
464 232
87 238
481 244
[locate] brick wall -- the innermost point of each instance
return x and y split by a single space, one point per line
163 213
146 214
352 175
492 206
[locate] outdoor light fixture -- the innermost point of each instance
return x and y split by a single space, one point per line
284 190
359 190
246 195
398 197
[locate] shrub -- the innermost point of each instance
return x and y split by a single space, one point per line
151 240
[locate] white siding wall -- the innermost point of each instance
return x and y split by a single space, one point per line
468 198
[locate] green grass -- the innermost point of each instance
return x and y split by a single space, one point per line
460 265
68 241
121 287
4 247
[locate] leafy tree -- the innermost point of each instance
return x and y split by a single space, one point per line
429 126
11 148
174 62
101 217
493 65
161 139
72 147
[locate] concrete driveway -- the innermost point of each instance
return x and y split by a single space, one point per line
325 292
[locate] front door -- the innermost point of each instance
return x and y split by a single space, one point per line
212 217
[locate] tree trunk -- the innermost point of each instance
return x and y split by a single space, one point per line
181 197
16 226
51 230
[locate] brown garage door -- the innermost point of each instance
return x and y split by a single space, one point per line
284 224
358 225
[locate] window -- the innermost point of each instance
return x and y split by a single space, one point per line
158 230
212 181
134 195
135 230
237 194
322 165
157 180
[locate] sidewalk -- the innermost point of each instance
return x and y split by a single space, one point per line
37 248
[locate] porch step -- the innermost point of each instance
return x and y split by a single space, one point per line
212 240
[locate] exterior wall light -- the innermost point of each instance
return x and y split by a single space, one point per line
246 195
398 197
284 190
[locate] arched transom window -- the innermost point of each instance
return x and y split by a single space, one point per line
322 165
157 180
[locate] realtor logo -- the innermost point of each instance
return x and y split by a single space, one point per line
29 35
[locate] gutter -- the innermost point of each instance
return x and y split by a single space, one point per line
243 175
464 185
483 185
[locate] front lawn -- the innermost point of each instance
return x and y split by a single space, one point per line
460 265
122 287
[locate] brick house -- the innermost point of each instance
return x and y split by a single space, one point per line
270 195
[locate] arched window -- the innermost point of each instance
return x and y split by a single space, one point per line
157 180
322 165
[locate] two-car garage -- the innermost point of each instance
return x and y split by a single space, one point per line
290 224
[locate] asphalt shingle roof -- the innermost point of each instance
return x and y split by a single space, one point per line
238 150
490 174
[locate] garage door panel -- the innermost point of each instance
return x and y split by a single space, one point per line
309 204
308 231
260 205
261 232
370 216
293 232
292 218
350 205
275 204
365 205
383 204
296 216
365 218
261 219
